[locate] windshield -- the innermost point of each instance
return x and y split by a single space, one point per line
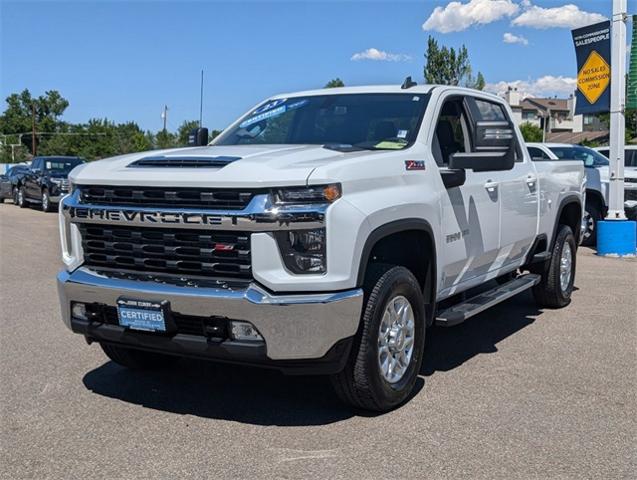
61 165
590 157
347 122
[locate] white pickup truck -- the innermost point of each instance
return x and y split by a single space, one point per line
322 232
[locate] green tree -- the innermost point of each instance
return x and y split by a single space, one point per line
530 132
334 83
18 116
446 66
184 130
165 139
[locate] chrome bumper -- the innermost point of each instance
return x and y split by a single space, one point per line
294 326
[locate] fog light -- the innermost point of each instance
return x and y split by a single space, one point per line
244 332
78 310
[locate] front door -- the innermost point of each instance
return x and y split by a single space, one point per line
470 213
518 193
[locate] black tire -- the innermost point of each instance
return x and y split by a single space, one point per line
361 383
549 292
46 201
14 195
593 214
138 359
22 201
1 199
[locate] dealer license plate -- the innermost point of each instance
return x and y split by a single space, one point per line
141 315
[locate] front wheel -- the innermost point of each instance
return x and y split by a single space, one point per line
387 352
14 195
556 286
592 215
138 359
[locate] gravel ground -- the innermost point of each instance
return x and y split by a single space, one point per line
515 392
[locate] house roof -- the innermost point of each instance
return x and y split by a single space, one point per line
544 104
579 137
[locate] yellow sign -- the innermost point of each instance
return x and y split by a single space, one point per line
594 77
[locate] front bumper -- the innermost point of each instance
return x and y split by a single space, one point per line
295 327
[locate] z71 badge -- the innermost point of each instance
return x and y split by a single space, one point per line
414 165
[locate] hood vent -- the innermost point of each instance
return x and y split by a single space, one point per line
183 162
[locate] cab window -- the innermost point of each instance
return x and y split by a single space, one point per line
451 134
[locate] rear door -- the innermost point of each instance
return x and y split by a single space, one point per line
30 179
518 192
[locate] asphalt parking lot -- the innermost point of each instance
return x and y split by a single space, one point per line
516 392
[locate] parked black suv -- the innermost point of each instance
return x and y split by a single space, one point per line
46 181
10 180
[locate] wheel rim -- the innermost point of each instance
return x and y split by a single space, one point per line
566 267
20 197
396 339
588 224
45 201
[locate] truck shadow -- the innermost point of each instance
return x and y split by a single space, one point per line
448 348
266 397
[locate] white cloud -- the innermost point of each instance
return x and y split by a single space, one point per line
510 38
566 16
458 16
380 55
546 86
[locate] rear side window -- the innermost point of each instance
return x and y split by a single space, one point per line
537 154
489 111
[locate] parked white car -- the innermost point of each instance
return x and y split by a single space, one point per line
322 232
596 180
630 178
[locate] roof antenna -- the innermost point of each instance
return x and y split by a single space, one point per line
408 83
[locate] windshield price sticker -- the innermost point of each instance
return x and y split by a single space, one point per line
271 110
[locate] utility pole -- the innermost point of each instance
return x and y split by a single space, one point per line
616 236
617 118
33 129
201 103
164 115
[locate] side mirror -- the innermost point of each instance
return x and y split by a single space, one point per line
494 144
198 137
483 161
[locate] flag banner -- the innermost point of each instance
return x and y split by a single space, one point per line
592 49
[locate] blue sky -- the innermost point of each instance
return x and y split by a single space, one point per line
125 60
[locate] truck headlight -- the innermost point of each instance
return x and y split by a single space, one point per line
57 181
312 194
303 251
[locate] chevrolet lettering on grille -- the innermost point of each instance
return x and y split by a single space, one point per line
142 217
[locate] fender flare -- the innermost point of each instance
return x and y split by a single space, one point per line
398 226
567 200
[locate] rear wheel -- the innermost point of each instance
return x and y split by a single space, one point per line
46 201
387 352
22 201
138 359
556 285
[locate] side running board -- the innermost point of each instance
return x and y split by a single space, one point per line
474 305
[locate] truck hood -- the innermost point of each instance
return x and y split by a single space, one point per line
240 166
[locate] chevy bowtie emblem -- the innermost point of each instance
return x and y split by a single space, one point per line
223 247
414 165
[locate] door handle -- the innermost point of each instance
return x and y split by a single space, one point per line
531 181
491 186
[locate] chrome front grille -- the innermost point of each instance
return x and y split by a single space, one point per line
174 197
187 252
